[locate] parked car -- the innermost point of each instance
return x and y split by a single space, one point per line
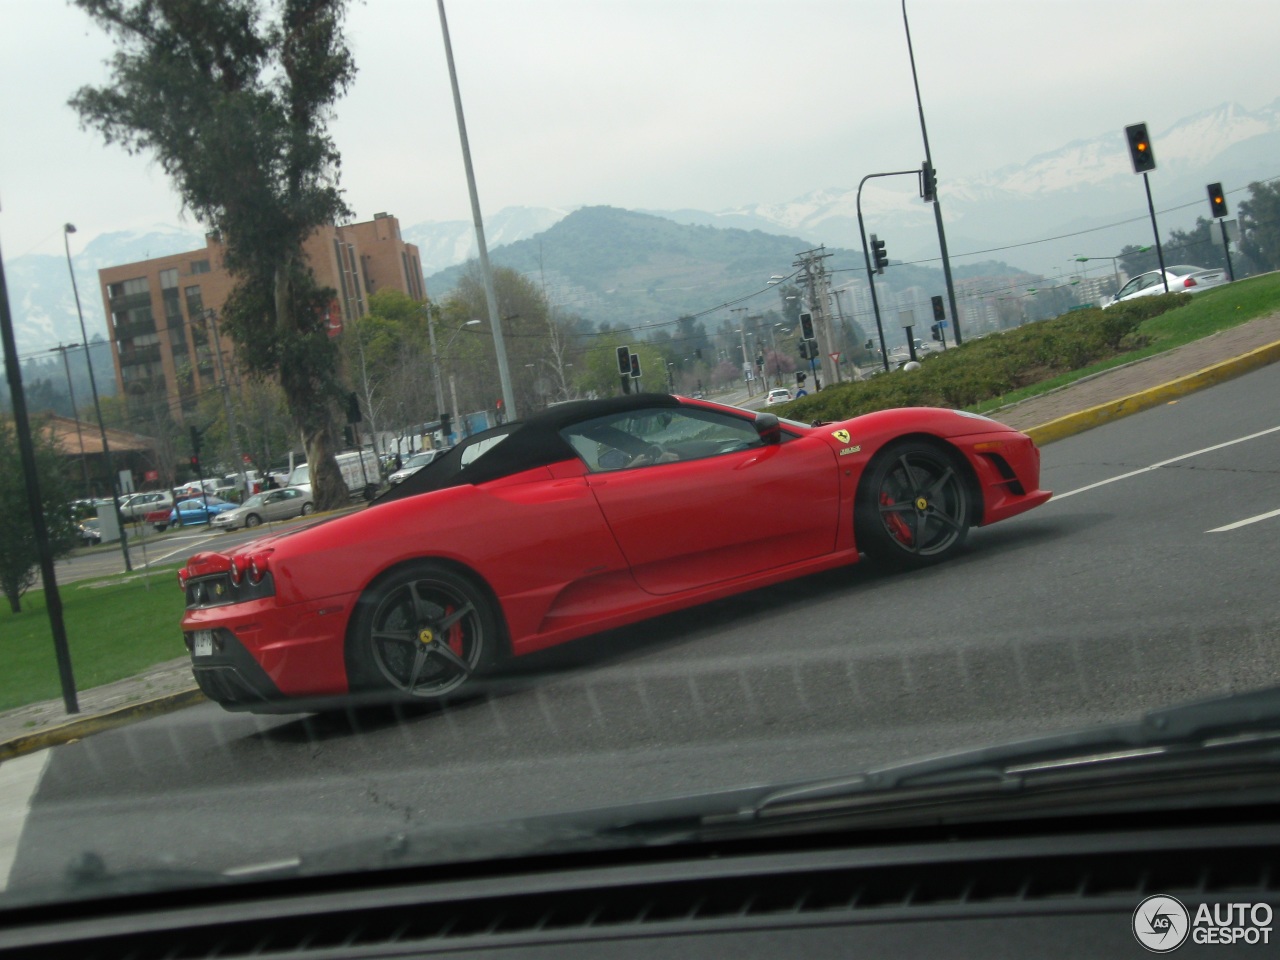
413 465
89 532
197 511
136 506
1183 278
269 505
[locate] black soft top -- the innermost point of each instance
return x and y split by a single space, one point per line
535 442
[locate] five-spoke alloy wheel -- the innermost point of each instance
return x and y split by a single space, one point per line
421 634
913 505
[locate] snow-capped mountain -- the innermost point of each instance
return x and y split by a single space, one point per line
41 297
1083 184
1079 190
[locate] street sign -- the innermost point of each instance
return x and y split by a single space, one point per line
835 357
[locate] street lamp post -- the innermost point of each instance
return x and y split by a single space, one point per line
75 415
486 272
937 204
67 230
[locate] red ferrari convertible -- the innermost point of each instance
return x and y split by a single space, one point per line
588 516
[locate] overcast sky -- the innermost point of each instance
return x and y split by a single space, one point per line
658 104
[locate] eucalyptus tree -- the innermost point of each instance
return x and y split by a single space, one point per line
233 98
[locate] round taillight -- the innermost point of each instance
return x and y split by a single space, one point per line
235 570
1189 282
182 577
257 567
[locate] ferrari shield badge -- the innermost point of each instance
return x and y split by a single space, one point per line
841 435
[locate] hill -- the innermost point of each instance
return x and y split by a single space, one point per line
626 268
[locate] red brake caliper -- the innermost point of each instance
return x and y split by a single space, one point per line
454 639
897 526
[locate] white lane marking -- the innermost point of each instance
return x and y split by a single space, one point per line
1163 463
1245 522
19 778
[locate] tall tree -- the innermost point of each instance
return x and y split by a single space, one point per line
1260 225
19 556
233 98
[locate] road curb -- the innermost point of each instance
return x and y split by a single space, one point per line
1082 420
83 727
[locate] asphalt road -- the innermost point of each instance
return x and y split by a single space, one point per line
1150 579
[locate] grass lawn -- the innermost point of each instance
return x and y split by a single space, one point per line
1211 311
116 627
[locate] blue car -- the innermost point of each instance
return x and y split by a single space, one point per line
194 511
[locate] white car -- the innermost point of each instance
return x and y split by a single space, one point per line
138 505
413 465
1183 278
780 395
269 505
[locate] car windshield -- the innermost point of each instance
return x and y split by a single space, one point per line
480 317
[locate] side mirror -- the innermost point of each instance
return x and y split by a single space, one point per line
769 428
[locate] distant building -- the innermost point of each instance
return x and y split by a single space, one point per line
158 310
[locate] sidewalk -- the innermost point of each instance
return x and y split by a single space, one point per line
1062 412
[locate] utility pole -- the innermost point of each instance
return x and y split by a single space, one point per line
817 281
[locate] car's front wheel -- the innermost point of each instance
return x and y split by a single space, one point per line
421 633
913 505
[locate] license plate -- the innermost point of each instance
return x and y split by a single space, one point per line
202 643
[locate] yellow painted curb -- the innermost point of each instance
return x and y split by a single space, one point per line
83 727
1074 423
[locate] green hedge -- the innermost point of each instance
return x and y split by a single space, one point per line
996 364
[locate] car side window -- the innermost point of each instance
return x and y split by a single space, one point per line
642 438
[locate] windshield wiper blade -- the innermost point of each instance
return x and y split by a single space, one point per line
1180 730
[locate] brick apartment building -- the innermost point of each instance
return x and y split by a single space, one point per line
158 310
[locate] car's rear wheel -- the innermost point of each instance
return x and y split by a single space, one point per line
308 508
252 520
913 505
421 633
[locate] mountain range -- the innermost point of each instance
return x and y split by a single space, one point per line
1085 187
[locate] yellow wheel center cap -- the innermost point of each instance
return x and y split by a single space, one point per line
425 635
922 503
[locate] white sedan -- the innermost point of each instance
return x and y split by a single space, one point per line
1183 278
413 465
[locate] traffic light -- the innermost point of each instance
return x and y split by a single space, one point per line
446 423
353 409
800 376
928 182
1217 200
936 330
804 349
634 366
806 326
760 361
195 445
624 361
939 312
879 256
1140 152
